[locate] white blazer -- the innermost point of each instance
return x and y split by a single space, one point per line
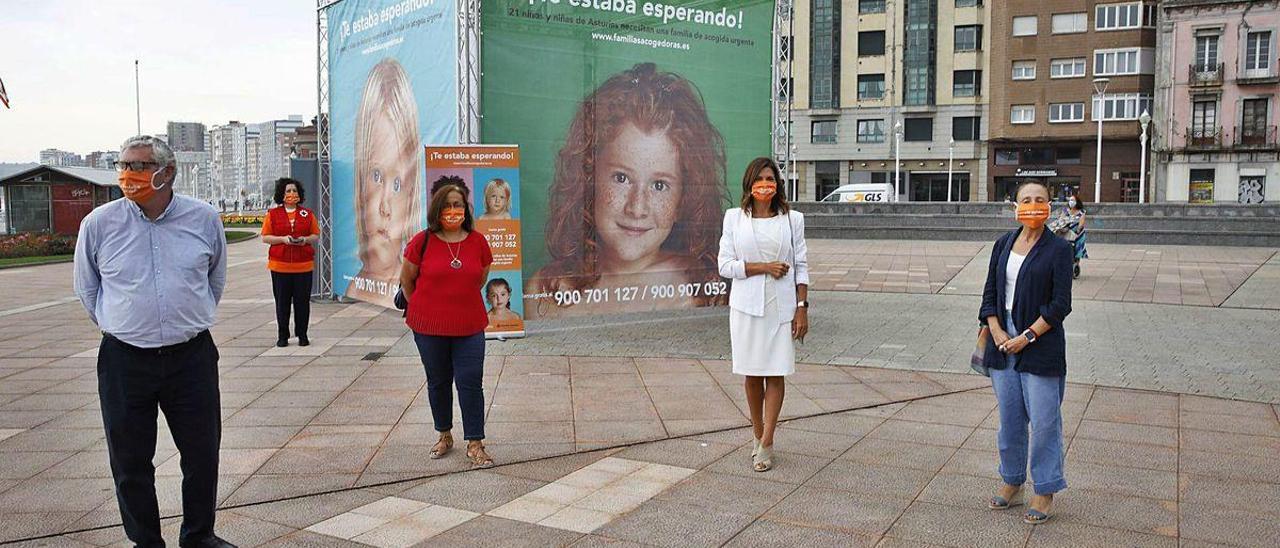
738 247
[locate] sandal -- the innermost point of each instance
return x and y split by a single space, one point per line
442 446
763 460
1036 517
998 502
479 457
755 448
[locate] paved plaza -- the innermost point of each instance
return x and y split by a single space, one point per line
629 431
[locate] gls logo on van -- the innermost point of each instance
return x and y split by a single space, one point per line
865 197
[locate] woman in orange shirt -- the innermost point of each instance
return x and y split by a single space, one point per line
290 229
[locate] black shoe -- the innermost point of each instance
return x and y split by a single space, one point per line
209 542
282 343
303 340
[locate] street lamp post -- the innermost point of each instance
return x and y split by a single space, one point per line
795 183
1100 86
951 160
1145 120
897 158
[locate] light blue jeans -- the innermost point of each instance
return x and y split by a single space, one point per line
1025 399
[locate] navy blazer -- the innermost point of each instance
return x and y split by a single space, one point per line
1043 290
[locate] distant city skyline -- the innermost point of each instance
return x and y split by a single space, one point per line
220 61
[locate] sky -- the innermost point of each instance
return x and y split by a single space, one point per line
68 68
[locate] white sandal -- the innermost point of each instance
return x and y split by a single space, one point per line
763 460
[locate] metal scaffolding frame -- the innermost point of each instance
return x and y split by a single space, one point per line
469 116
324 262
783 88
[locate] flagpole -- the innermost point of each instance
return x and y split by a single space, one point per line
137 95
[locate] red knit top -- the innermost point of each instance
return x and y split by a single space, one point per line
447 301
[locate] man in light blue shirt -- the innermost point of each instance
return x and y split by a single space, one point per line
150 269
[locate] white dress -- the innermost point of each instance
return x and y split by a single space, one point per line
762 345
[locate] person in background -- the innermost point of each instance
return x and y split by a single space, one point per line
150 270
291 230
1024 302
763 250
444 270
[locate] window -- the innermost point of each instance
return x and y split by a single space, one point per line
1257 52
1037 156
1070 23
1201 186
824 59
1069 155
966 128
1121 62
1120 16
870 86
1121 106
1024 25
870 131
870 6
1066 112
1204 118
1067 68
828 176
968 3
870 42
1007 157
1253 122
968 37
1024 70
29 208
966 83
1206 53
823 131
1022 114
918 129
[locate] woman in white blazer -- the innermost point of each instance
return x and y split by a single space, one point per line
762 249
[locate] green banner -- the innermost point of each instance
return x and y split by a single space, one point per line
635 121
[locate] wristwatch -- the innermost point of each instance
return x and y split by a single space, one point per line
802 304
1030 335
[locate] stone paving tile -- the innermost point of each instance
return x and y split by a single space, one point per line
672 524
1228 524
487 531
923 433
475 491
950 526
832 509
1072 535
769 533
1135 482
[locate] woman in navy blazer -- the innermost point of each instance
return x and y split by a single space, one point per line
1026 298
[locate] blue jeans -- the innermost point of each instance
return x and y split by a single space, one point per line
449 360
1036 400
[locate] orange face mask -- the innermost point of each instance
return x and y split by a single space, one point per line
292 198
451 218
138 185
763 190
1033 215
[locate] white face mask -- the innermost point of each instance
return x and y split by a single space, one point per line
1072 202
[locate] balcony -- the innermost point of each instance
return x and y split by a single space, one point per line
1262 76
1256 137
1204 138
1205 75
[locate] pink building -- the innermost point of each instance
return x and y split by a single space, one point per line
1217 97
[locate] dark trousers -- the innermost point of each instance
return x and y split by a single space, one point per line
295 290
182 381
449 360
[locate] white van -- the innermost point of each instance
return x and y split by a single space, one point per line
864 192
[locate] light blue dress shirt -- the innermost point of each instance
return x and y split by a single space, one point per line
151 283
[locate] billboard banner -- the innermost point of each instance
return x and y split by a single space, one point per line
635 120
491 175
392 89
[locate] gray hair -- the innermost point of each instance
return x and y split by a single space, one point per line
160 151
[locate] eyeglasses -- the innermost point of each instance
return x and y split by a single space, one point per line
134 166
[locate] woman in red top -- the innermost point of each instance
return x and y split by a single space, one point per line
450 261
290 229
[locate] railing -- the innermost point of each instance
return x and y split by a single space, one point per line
1204 137
1256 136
1205 75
